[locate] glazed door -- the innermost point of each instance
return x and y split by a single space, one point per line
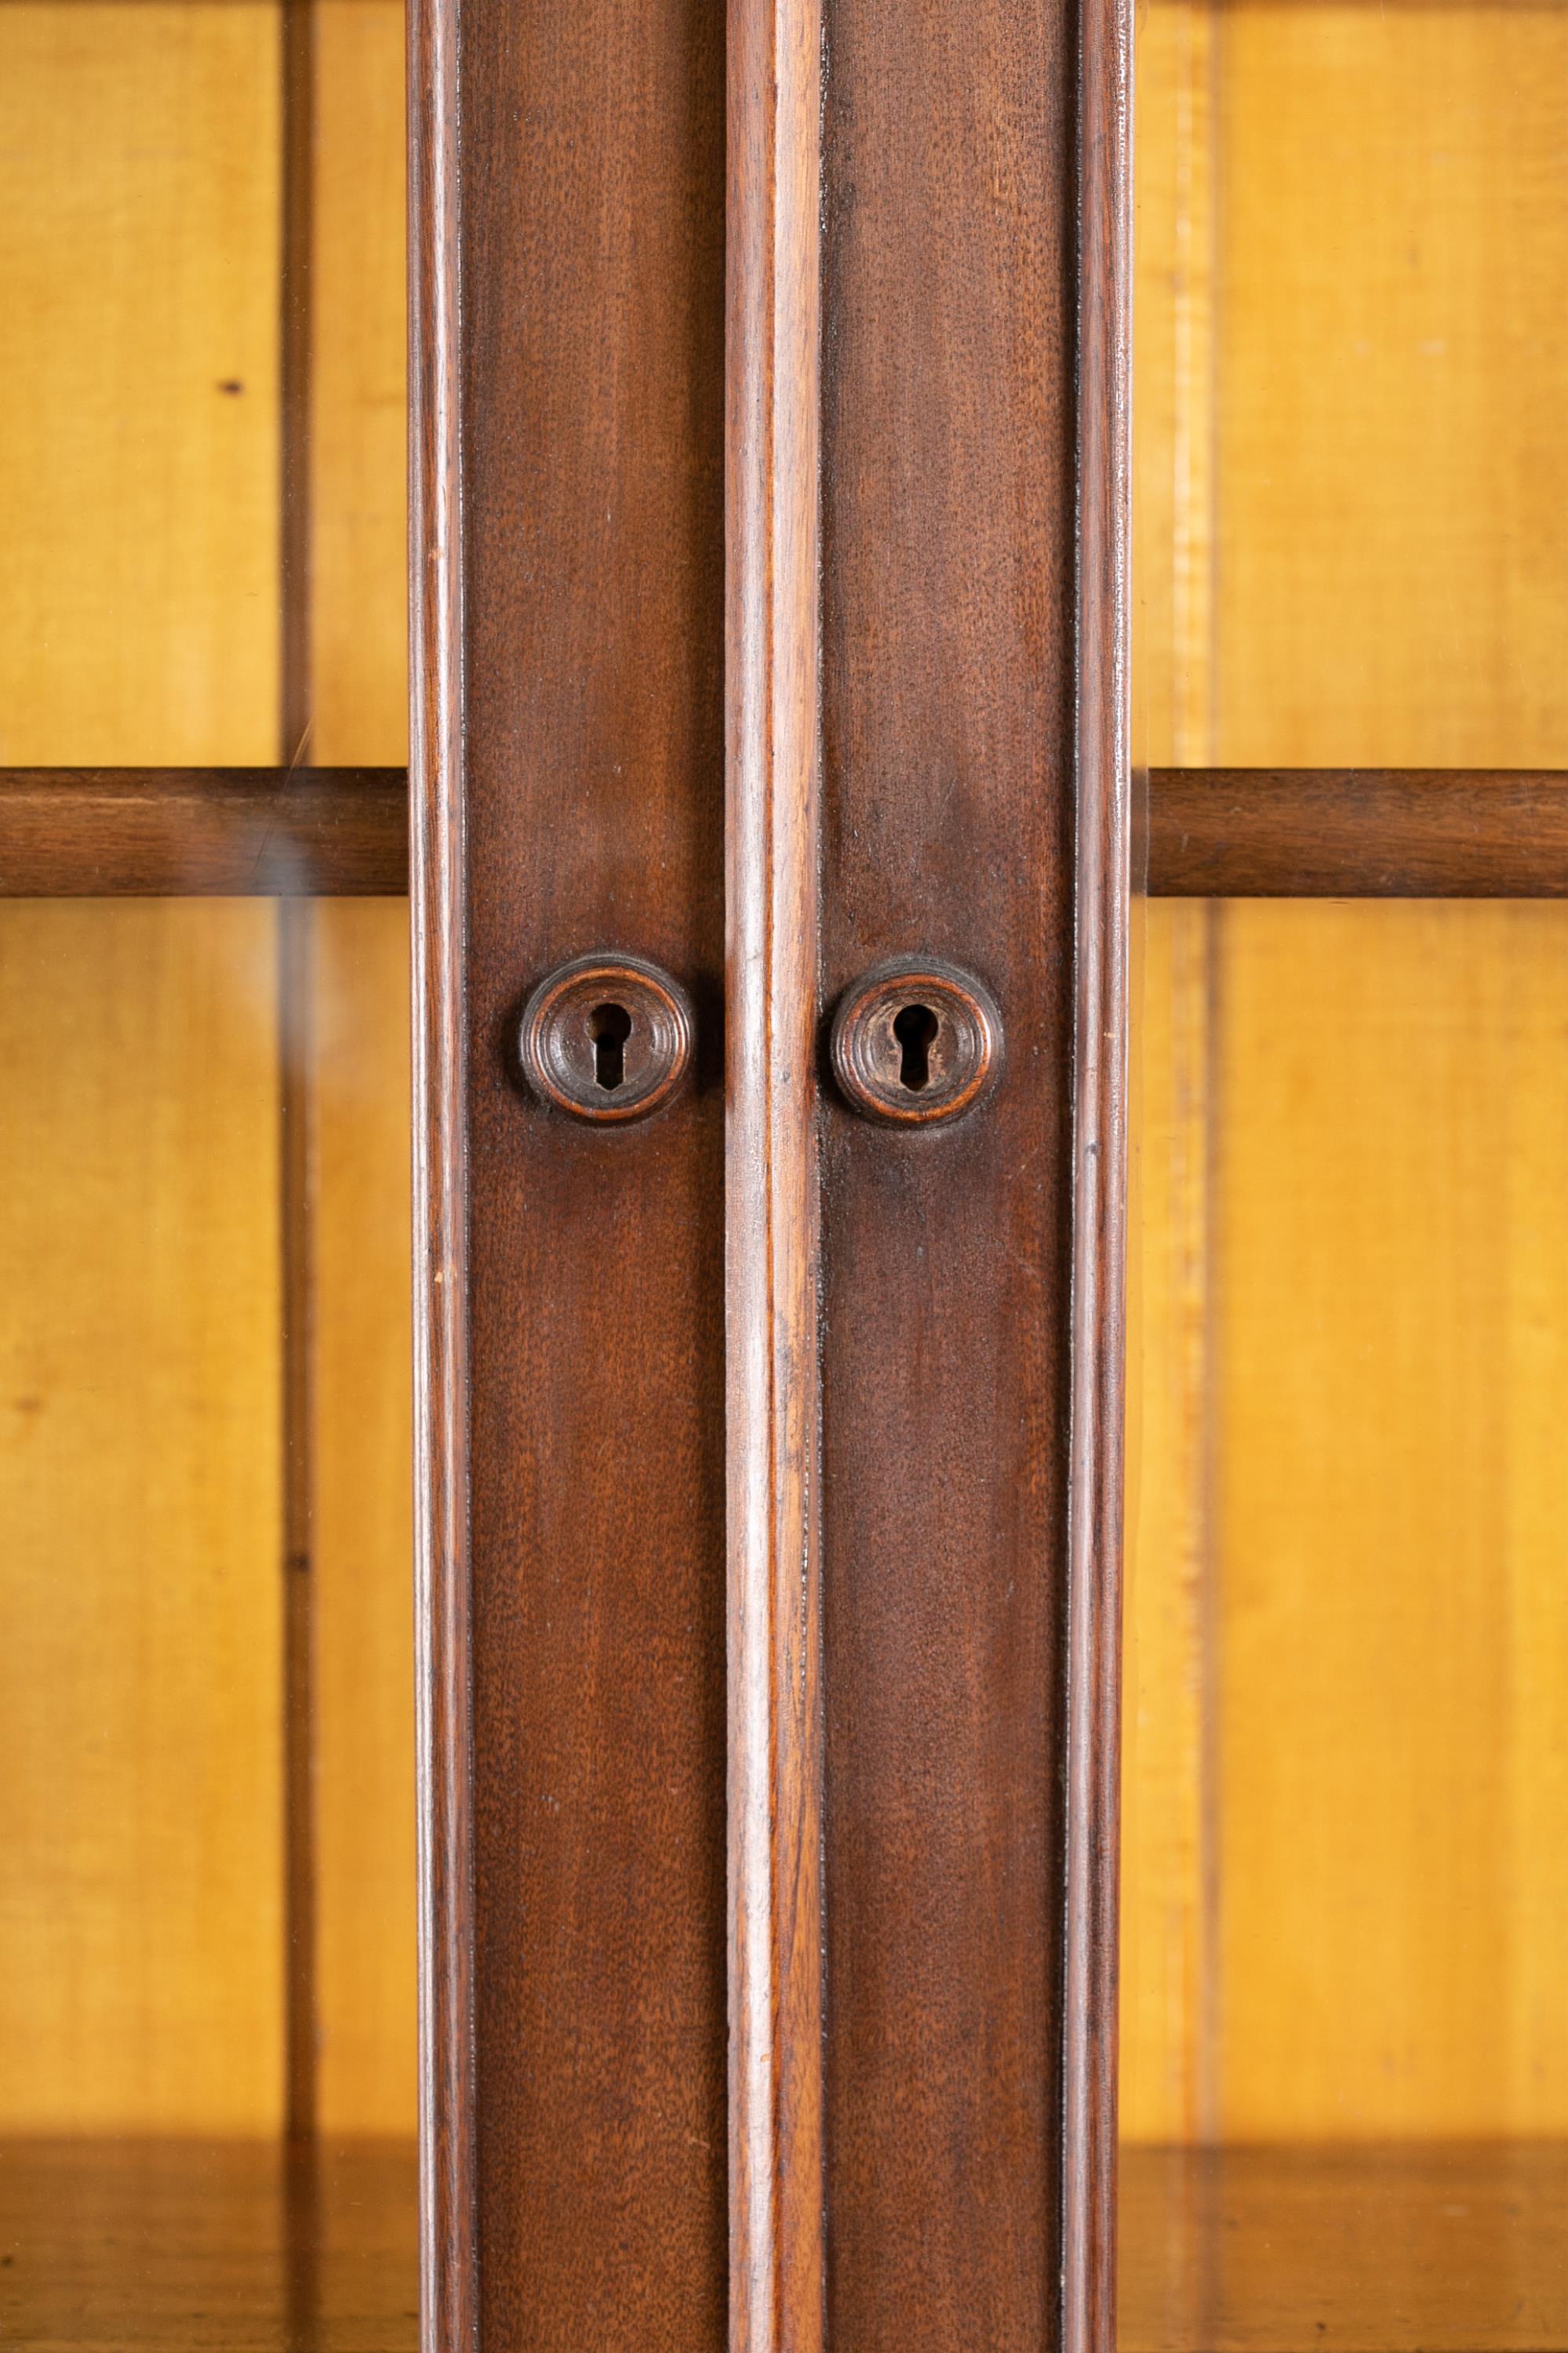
715 1579
1344 2082
767 410
208 1950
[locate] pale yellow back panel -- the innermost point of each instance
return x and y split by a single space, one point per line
1166 2090
140 1928
365 1680
1347 1694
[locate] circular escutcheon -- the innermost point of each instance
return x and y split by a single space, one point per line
915 1042
607 1037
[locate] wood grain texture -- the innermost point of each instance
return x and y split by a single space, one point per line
577 193
140 1675
193 832
1390 1263
1390 1677
1459 833
143 1939
1165 2092
1366 833
168 2243
140 468
951 718
771 1208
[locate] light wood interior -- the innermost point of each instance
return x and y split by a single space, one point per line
1345 1875
142 1934
1345 1879
191 2246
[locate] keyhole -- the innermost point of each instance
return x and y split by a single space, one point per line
916 1028
610 1027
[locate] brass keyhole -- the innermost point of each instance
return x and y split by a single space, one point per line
610 1027
916 1029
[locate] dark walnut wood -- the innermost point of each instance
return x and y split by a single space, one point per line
91 833
974 809
569 201
1357 833
176 2244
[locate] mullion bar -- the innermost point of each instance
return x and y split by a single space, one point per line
1302 833
296 1114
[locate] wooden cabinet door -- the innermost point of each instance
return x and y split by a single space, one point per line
770 629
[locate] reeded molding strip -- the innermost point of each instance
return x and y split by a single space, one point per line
448 2299
1102 860
773 784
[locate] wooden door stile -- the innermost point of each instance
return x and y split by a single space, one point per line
1103 876
771 1208
974 816
570 196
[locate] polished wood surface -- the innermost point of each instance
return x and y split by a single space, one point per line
772 1212
966 1456
1283 833
1440 2247
97 833
1397 2248
1360 833
566 803
574 192
178 2245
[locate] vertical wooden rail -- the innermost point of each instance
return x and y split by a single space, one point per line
973 685
295 1119
449 2283
776 2275
1103 883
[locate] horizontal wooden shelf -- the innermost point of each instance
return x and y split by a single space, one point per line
258 833
1203 833
1356 833
1420 2247
1415 2248
177 2244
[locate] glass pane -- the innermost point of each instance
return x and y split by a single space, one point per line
205 1709
1345 1889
